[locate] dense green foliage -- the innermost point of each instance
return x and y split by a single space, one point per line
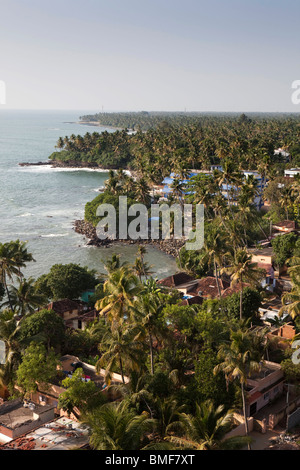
186 141
67 281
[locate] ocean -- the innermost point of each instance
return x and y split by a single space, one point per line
39 204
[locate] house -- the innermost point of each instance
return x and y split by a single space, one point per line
264 386
49 394
270 315
59 434
175 280
191 300
65 308
283 154
168 180
76 314
283 335
18 417
208 288
263 257
286 226
292 172
81 321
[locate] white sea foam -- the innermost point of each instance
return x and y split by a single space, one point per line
51 169
26 214
54 235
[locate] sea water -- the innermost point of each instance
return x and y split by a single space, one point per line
39 204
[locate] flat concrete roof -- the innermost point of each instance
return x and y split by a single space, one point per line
60 434
13 414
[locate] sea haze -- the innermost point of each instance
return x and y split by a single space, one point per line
39 204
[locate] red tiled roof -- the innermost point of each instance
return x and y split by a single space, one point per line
233 289
196 299
207 287
62 306
175 280
289 224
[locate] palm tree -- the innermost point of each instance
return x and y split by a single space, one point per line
291 300
214 250
120 289
142 191
116 426
167 413
141 268
9 332
24 298
119 350
239 362
243 270
228 176
207 429
147 311
13 256
178 190
114 263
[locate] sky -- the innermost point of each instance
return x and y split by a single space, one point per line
151 55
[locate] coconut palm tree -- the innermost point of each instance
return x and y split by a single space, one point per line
214 251
119 351
239 362
206 429
116 426
147 311
13 256
9 334
243 270
291 300
24 298
120 289
141 268
114 263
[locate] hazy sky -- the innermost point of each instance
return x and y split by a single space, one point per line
213 55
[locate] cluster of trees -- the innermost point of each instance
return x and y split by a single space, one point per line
187 365
182 141
181 366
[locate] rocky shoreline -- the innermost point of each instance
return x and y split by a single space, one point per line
170 247
58 164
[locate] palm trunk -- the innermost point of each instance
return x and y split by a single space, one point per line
151 354
121 369
245 414
217 279
7 291
241 301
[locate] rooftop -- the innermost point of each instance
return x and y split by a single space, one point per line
16 413
64 305
60 434
175 280
266 251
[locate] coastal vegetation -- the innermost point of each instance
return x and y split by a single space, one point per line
183 368
180 142
171 357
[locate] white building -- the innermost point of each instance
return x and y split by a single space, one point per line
292 172
283 154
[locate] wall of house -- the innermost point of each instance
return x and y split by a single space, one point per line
50 396
269 396
240 430
6 434
71 314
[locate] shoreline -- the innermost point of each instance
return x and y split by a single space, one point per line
169 247
98 124
72 165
